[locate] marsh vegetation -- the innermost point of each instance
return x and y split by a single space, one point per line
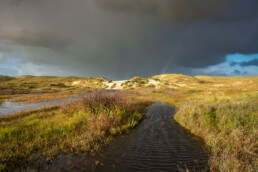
80 127
221 110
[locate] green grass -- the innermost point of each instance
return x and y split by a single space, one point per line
5 78
229 127
48 84
222 111
80 127
135 82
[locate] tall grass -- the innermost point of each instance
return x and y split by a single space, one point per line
229 127
80 127
221 110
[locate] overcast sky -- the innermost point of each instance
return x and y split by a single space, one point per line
119 39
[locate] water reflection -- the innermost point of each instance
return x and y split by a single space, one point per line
9 107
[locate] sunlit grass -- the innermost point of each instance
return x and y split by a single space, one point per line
80 127
4 98
48 84
221 110
40 97
229 127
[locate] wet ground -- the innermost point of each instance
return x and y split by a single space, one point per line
157 144
9 107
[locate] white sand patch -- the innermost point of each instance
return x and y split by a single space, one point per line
108 84
119 84
76 83
154 83
116 85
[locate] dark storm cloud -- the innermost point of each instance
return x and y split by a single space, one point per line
123 38
238 72
253 62
30 38
233 63
174 10
184 10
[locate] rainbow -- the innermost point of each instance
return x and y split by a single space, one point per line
163 71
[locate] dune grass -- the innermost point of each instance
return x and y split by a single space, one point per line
29 89
27 84
80 127
221 110
229 127
40 97
228 124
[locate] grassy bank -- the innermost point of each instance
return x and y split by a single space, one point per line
229 127
227 122
221 110
81 127
39 88
47 84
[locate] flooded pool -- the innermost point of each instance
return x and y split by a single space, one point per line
9 107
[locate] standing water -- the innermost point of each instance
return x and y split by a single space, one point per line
9 107
157 144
